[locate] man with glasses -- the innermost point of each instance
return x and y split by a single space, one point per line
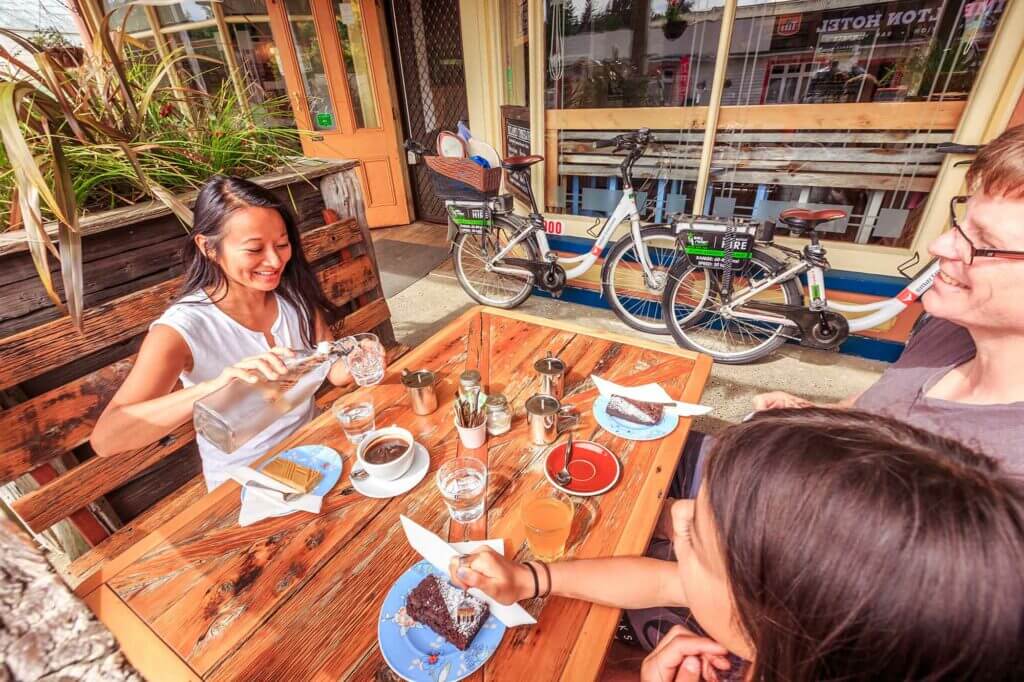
962 374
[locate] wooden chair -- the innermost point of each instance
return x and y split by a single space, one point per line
59 420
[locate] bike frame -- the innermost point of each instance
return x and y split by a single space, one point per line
880 311
626 208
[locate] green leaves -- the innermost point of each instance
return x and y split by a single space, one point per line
113 130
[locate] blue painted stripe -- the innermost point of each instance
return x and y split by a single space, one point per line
862 346
873 349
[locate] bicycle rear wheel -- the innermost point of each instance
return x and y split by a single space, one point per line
693 298
633 297
474 251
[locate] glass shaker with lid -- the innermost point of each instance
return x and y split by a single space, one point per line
499 416
469 385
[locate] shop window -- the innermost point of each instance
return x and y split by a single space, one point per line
626 54
516 51
902 50
311 65
204 69
244 8
877 164
136 16
184 12
262 75
619 53
357 64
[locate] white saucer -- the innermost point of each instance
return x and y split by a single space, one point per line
379 488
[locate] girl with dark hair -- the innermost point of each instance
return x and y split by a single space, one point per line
249 297
823 545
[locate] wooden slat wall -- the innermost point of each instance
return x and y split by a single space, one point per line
883 161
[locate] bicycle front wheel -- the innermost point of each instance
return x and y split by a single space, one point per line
474 251
693 300
635 297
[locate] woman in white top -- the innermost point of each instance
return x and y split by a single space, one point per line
249 296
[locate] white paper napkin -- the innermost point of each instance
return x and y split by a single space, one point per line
440 553
259 503
653 393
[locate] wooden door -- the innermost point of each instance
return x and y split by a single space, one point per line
336 63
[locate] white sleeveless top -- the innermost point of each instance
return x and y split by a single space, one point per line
218 341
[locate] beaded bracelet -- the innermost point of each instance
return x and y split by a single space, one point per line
536 580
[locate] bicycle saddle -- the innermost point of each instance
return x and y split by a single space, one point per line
518 163
806 219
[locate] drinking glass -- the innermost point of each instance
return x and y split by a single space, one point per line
547 518
357 418
463 484
366 360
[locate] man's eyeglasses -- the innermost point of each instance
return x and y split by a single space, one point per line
968 251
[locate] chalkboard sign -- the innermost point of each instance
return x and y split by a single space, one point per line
515 133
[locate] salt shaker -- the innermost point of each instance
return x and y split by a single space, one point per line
499 417
469 385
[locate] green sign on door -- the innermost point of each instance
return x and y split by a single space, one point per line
324 119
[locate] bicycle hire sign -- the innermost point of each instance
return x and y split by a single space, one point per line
715 250
469 216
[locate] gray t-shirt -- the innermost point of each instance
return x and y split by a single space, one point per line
938 347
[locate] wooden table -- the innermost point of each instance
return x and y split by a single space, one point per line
298 597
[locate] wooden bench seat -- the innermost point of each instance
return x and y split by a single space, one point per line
54 425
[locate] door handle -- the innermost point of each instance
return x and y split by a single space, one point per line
317 138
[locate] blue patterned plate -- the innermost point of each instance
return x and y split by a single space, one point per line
319 457
417 653
630 431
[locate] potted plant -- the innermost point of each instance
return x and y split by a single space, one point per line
675 24
108 130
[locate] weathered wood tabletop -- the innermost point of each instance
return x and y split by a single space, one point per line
298 597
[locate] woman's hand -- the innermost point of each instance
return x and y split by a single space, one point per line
269 366
499 578
779 399
682 656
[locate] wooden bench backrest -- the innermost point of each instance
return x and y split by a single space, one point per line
56 422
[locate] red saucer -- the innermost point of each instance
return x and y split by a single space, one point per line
594 469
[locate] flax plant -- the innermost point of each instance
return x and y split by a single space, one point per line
111 131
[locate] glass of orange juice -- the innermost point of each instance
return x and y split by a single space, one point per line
547 517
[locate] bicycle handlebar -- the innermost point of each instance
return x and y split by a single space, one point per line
415 147
634 141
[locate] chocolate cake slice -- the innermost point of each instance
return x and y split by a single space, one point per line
434 602
635 411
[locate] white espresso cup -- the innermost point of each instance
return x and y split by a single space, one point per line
394 468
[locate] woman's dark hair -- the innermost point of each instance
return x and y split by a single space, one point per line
220 197
860 548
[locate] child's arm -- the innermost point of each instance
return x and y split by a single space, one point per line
622 582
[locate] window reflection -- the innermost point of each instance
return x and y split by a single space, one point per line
357 64
630 53
204 69
259 62
311 65
186 11
136 16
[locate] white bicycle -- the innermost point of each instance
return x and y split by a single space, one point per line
737 302
500 255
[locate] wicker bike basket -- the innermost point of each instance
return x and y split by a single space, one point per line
462 176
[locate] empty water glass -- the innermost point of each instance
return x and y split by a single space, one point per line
357 418
366 360
463 485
